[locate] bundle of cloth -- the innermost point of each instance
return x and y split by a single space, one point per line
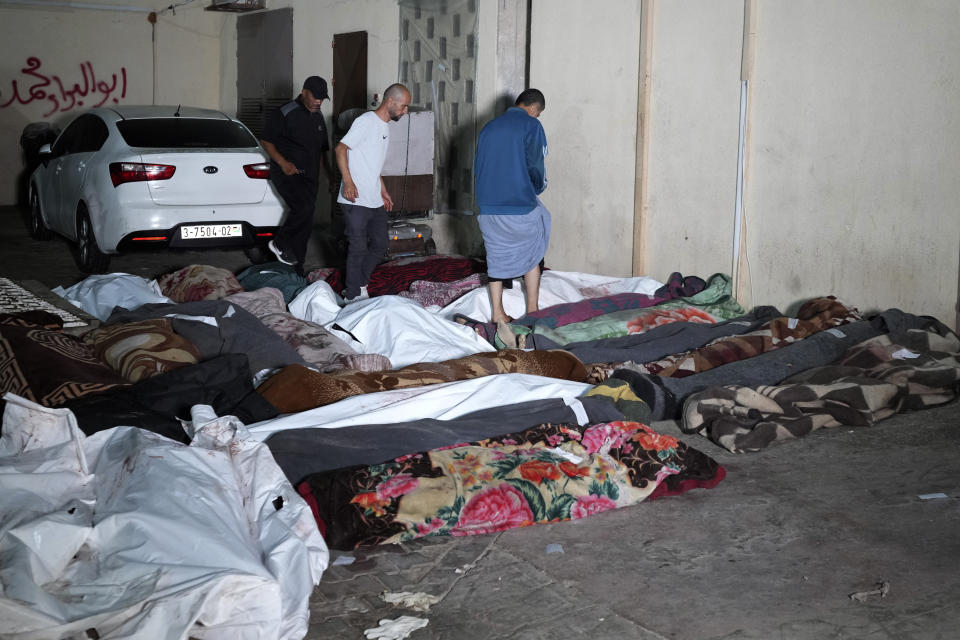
791 376
734 344
546 473
915 366
297 388
713 303
533 327
397 276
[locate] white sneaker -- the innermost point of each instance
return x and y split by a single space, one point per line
363 295
283 256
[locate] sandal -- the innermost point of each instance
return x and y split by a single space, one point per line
485 330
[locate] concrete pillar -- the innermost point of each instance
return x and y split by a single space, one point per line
512 65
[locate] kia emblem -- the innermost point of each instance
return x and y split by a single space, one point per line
210 169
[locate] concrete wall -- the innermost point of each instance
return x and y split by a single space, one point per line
852 149
692 142
585 58
64 49
855 153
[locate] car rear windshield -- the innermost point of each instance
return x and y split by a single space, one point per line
185 133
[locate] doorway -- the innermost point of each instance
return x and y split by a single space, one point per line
264 65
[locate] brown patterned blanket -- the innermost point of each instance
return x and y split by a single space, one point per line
871 381
297 388
815 315
550 473
41 363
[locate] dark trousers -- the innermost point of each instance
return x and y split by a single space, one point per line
300 195
366 231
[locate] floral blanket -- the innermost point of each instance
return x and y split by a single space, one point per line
558 315
714 304
549 473
297 388
871 381
677 286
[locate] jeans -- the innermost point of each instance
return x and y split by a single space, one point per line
366 231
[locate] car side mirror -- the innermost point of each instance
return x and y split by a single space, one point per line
45 153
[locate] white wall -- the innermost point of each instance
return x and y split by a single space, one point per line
584 56
692 142
72 45
855 154
853 145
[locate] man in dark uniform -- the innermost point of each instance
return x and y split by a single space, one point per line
295 137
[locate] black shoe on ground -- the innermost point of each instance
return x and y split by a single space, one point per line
283 256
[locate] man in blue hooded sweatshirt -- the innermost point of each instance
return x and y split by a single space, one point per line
510 174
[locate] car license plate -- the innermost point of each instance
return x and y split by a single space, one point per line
198 231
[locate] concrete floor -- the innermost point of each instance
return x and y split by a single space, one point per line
774 551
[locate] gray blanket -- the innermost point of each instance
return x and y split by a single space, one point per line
301 452
235 330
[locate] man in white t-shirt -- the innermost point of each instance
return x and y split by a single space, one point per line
363 196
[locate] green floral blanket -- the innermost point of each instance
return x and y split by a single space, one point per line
714 304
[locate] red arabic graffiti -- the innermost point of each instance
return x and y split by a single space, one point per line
62 98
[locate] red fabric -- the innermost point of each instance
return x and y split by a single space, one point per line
304 490
665 489
390 278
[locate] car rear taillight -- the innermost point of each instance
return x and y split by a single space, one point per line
121 172
260 171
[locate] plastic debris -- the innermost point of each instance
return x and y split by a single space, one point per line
417 601
396 629
933 496
553 547
344 560
882 589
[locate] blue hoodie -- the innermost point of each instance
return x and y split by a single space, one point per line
509 168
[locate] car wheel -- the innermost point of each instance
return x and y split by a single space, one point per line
38 230
258 254
87 254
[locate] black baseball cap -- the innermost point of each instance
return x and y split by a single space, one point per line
317 86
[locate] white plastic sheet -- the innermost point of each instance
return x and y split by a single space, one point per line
443 401
137 536
98 295
556 287
405 332
317 303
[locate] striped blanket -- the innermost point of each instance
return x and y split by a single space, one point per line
871 381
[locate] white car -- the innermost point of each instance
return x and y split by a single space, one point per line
124 177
